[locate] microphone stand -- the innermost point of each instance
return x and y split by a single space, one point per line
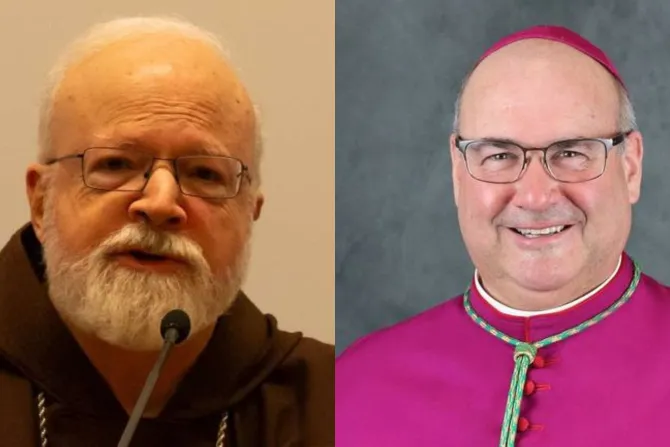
171 336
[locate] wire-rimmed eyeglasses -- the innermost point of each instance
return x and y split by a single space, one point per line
122 169
569 161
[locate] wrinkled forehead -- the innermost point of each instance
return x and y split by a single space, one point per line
149 81
539 91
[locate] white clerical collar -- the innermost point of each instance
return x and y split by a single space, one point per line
500 307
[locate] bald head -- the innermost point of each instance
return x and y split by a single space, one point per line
165 64
542 84
524 69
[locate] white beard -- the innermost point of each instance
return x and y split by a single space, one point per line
124 307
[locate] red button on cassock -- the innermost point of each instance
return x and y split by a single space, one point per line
529 388
538 362
523 425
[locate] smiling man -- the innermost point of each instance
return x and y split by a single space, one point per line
143 201
559 339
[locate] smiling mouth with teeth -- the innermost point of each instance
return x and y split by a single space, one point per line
534 233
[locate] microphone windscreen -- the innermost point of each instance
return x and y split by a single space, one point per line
179 320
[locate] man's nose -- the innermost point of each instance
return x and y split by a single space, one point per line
536 189
160 204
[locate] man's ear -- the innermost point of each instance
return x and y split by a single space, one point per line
456 160
36 187
631 161
258 205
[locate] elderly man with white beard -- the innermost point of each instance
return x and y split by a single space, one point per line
142 201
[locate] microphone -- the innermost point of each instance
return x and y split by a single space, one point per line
175 328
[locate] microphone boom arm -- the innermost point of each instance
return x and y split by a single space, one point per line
171 336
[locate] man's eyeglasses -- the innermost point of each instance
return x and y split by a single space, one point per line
568 161
116 169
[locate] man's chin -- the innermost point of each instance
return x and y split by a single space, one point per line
136 336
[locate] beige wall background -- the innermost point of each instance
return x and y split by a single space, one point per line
286 53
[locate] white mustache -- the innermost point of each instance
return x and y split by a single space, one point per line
141 237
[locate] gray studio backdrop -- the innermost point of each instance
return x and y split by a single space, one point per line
399 67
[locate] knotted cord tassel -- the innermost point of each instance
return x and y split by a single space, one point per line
524 354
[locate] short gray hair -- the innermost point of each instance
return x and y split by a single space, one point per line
103 34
